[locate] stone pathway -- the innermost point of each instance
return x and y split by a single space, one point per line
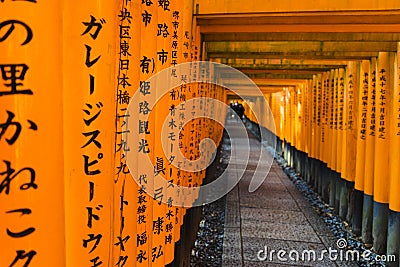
276 217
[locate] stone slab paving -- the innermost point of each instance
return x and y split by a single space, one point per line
274 217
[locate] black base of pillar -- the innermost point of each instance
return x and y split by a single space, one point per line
367 219
380 227
339 185
393 240
332 188
357 211
325 182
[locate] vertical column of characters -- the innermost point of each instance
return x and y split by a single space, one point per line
171 139
295 115
287 116
333 120
186 57
352 96
285 119
342 107
298 116
146 132
195 176
362 131
323 119
369 155
172 213
89 116
161 171
306 116
31 132
191 175
325 115
172 136
180 109
309 115
313 116
371 131
198 133
291 125
207 92
126 200
383 93
320 116
327 104
318 142
328 135
304 107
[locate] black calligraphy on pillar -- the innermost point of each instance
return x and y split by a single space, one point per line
92 112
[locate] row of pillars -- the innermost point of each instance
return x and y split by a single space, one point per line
72 188
341 132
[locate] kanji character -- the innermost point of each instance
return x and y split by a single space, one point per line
96 261
155 254
11 23
162 30
144 127
164 4
145 88
162 56
124 81
124 48
125 15
88 164
92 237
124 31
122 261
91 24
24 233
147 2
123 97
22 254
10 175
144 146
144 107
146 18
158 225
14 73
141 239
145 64
87 111
121 242
141 256
159 166
93 135
89 62
25 211
92 216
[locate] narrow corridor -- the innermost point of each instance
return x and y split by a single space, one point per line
276 217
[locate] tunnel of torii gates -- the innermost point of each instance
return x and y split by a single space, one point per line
329 71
